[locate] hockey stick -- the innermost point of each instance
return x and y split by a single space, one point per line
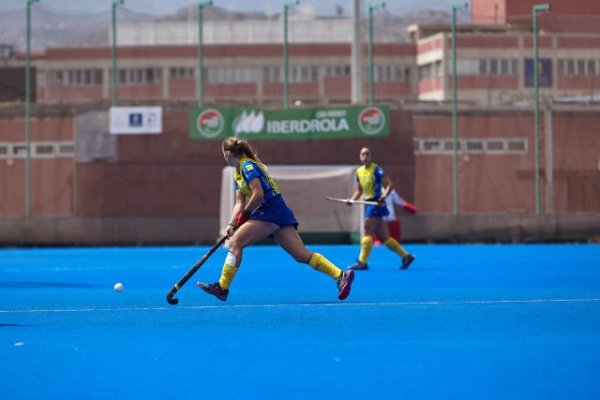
363 202
172 300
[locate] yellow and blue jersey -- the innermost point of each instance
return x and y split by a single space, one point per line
247 171
370 179
272 208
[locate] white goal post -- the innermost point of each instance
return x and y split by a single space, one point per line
304 189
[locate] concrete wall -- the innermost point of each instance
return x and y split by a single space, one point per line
165 188
505 228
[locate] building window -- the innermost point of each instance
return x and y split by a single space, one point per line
66 149
500 66
483 67
431 146
449 145
303 73
416 146
337 70
140 76
517 146
495 146
76 77
494 67
581 67
43 150
425 71
474 146
430 70
272 74
497 66
297 73
38 150
182 72
390 73
570 67
19 150
466 67
224 75
591 64
567 67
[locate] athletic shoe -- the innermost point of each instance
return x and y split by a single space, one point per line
214 289
344 284
406 261
358 266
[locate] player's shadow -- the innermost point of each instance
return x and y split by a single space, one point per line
44 285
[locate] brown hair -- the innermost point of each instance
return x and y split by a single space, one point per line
239 148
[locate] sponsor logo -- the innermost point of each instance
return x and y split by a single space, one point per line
210 123
249 122
309 126
371 120
136 120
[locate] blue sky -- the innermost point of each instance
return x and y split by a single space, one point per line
323 7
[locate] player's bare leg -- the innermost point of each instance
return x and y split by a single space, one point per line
251 232
289 239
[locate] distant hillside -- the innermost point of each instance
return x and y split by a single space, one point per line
54 28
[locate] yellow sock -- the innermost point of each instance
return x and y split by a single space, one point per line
394 246
227 275
325 266
366 244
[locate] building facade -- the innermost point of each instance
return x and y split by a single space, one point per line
233 74
494 66
497 68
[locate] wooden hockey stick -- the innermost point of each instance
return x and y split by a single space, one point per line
172 300
363 202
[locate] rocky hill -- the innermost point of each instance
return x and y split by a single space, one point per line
55 28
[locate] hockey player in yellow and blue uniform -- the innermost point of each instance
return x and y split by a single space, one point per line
374 185
261 212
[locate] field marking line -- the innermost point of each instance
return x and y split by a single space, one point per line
332 304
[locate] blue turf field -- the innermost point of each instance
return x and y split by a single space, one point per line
465 321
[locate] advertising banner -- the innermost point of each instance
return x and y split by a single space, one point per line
135 120
544 70
289 124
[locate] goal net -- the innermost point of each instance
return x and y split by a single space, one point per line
304 188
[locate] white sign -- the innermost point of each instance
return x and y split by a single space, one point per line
135 120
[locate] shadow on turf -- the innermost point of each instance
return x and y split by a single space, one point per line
307 303
44 285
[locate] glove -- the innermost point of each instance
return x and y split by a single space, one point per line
242 218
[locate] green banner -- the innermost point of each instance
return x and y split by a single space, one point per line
289 124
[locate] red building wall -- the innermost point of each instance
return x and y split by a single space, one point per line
497 183
172 175
577 163
52 179
489 12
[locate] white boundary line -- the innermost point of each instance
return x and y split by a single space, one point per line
280 305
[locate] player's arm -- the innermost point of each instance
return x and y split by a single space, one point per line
240 203
257 196
245 206
388 186
356 195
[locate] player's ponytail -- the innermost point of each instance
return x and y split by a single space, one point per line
239 147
